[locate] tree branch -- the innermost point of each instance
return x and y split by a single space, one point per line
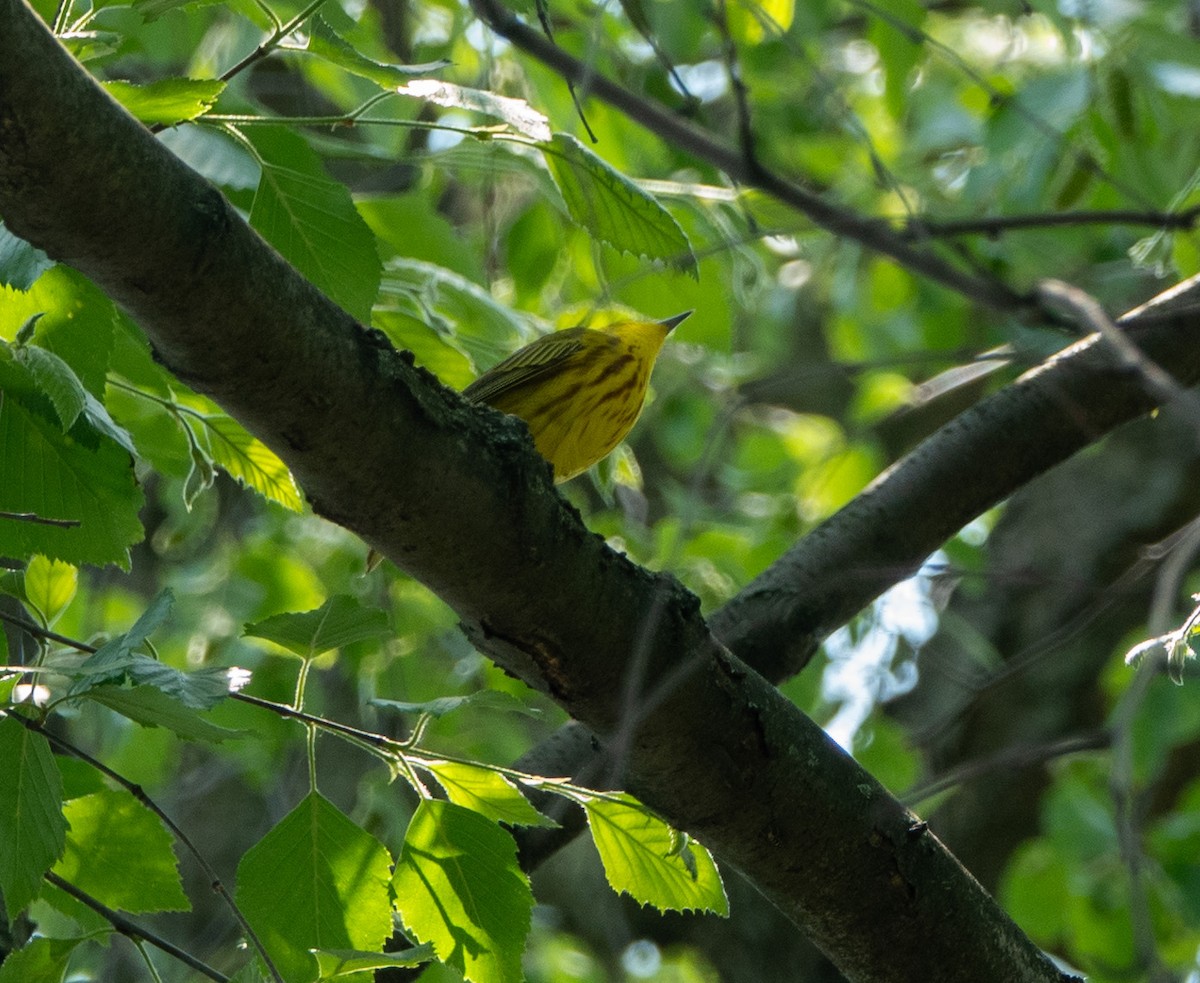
133 930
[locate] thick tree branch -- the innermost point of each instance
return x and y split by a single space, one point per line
457 497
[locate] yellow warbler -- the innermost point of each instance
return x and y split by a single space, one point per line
580 390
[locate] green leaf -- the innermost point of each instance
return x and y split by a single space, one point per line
340 621
57 380
50 586
167 101
249 460
20 263
154 708
334 963
313 223
612 208
30 813
517 113
486 792
63 478
315 881
112 660
41 960
77 322
484 699
423 307
458 886
326 43
646 859
119 852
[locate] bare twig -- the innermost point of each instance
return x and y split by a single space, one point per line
1007 759
1086 309
133 930
920 228
40 519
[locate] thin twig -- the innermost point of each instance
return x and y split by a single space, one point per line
133 930
1086 309
1008 758
40 519
920 228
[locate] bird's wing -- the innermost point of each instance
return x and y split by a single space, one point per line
530 362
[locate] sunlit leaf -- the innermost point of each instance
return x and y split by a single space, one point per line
517 113
612 208
458 886
315 881
335 963
246 458
166 101
120 853
644 858
50 586
487 792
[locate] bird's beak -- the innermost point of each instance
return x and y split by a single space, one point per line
673 322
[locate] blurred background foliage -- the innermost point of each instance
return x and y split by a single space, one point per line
989 690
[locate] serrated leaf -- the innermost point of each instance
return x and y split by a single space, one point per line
643 858
484 699
340 621
612 208
41 960
119 852
326 43
55 476
154 9
312 221
458 886
315 881
335 963
154 708
20 263
418 300
112 660
201 476
77 322
50 586
96 414
57 380
486 792
517 113
30 813
249 460
166 101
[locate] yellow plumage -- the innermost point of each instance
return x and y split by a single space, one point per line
579 391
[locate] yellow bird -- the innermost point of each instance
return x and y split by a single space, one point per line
579 391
